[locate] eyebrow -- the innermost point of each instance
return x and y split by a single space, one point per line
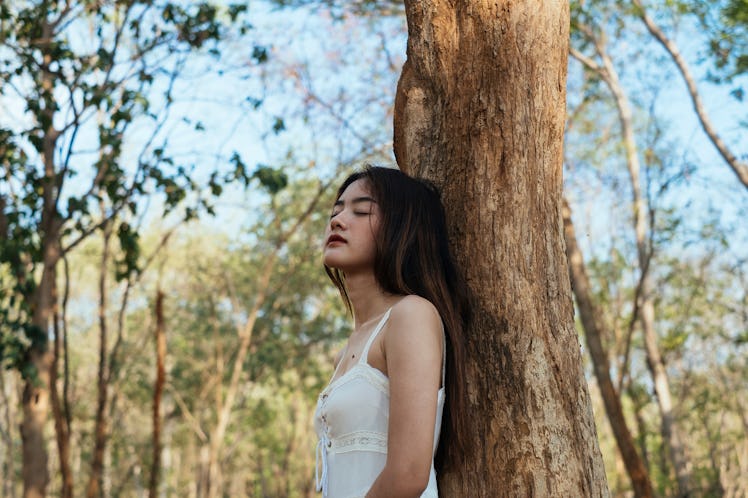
356 200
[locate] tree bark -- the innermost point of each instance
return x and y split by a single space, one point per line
593 332
157 391
480 111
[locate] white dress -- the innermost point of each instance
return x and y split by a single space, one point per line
351 423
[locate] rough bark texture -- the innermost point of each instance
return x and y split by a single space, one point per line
480 111
593 332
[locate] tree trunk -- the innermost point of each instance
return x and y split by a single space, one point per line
9 402
36 401
203 472
480 111
157 391
62 426
593 331
36 389
93 489
645 299
669 428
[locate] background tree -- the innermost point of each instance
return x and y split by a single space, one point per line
663 180
641 214
116 355
732 60
594 331
72 85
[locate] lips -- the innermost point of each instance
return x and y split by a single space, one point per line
335 238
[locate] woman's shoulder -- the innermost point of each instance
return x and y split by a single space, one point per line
415 304
415 312
414 326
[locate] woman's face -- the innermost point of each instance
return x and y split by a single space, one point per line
349 236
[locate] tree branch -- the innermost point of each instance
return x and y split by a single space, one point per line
740 168
191 420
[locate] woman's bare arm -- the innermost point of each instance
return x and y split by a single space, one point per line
413 342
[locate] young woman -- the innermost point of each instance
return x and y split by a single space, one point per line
381 418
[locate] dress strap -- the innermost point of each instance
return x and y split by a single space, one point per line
444 357
372 336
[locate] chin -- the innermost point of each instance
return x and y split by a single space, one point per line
332 262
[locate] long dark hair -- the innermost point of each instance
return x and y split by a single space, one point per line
413 257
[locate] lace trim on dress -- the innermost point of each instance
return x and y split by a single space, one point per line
360 441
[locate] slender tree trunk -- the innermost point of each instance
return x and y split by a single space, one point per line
480 111
62 428
36 403
645 302
203 473
157 391
245 338
9 402
670 432
669 428
593 332
93 489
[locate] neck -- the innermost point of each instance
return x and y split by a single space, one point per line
368 300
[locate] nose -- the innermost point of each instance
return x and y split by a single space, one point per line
336 222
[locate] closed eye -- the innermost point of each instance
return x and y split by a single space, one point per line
357 213
362 201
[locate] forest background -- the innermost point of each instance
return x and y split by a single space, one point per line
188 153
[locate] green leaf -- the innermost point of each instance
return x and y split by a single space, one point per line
273 180
260 54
